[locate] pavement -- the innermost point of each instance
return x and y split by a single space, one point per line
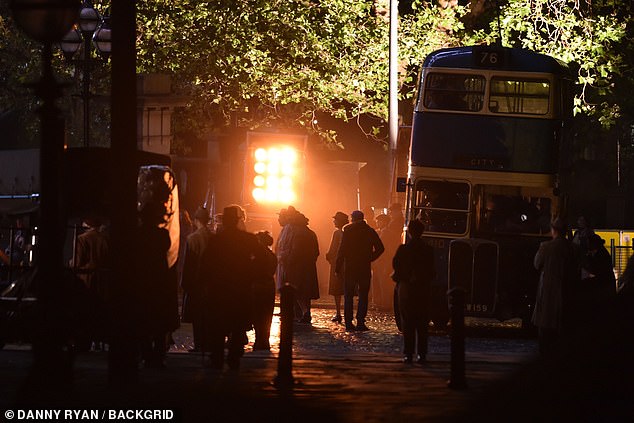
331 384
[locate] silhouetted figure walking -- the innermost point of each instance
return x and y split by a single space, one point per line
360 246
229 271
413 272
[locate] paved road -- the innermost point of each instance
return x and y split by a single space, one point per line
324 336
347 377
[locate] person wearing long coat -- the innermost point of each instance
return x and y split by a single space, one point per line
360 246
228 273
302 266
414 270
283 246
335 283
194 298
557 261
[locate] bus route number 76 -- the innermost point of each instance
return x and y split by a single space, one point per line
491 59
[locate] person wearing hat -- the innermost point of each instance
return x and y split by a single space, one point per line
193 300
557 261
283 244
301 266
228 268
360 246
335 283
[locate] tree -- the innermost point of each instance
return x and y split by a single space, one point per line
261 63
279 63
21 67
19 57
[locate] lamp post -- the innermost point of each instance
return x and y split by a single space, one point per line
91 29
47 21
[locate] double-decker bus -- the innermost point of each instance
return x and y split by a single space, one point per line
488 131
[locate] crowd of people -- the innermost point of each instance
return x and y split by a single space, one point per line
229 278
578 307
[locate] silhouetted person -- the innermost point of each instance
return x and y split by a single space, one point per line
335 282
93 264
596 297
557 261
368 214
158 308
360 246
229 271
414 270
397 220
582 235
92 254
264 292
194 292
301 268
186 229
283 245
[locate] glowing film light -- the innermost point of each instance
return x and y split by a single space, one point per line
275 168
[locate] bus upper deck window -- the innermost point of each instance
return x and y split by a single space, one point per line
515 96
445 91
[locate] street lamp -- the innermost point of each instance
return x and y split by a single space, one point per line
91 29
47 21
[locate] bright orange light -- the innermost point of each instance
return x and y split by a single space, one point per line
287 196
272 181
261 155
272 195
260 167
273 168
259 181
287 169
286 182
258 194
276 168
288 155
274 154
